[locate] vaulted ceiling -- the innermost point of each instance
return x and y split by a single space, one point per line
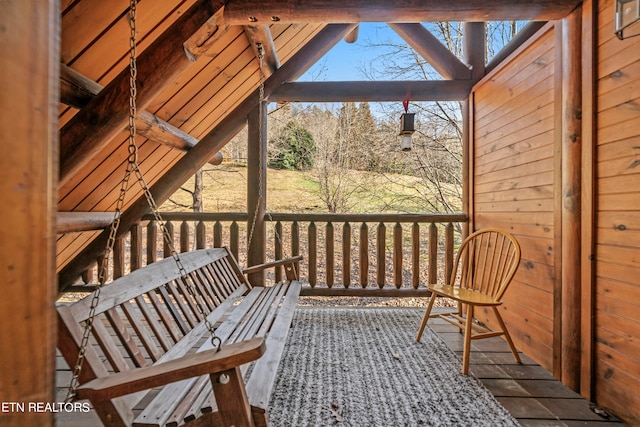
198 75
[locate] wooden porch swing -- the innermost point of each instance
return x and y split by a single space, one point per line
172 342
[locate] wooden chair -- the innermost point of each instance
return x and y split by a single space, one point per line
483 268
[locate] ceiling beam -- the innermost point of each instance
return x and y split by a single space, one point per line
189 164
241 12
72 222
106 115
374 91
474 42
77 90
262 44
352 37
432 50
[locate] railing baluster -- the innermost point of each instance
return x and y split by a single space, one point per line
397 255
346 255
313 254
135 261
201 235
87 275
381 255
168 234
118 258
433 253
295 242
217 235
448 263
194 229
185 245
415 255
152 242
364 255
234 236
278 248
330 254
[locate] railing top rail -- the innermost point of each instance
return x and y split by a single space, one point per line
316 217
323 217
199 216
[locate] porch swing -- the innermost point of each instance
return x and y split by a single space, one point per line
172 342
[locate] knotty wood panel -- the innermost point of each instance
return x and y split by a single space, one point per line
617 293
514 184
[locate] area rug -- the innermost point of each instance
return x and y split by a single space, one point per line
362 367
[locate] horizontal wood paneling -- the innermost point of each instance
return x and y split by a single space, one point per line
514 188
617 301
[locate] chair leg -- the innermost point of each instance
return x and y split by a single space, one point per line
506 335
425 318
467 340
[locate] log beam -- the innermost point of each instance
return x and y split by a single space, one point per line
107 114
257 190
376 91
241 12
262 44
71 222
77 90
184 168
352 37
571 198
475 42
29 78
432 50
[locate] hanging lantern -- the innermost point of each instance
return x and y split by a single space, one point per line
627 13
406 130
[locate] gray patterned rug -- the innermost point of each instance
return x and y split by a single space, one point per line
362 367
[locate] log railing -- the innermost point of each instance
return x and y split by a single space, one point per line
344 254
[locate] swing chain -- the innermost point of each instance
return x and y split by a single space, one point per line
260 49
132 167
260 119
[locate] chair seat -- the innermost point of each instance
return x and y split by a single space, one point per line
464 295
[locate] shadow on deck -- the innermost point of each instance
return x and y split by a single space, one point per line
528 391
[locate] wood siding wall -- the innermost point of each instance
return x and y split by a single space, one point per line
617 212
514 170
516 174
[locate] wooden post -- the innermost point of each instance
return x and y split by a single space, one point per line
474 48
571 196
29 42
257 190
588 220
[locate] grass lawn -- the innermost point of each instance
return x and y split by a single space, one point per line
297 192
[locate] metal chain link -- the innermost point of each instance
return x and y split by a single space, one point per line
132 167
260 178
260 119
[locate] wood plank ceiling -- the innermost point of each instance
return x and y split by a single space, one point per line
184 94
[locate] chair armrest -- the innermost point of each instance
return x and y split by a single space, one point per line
290 271
188 366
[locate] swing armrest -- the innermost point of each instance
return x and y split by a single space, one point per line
290 271
188 366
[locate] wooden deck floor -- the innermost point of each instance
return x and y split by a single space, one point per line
528 391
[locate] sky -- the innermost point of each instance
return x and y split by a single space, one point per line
344 61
